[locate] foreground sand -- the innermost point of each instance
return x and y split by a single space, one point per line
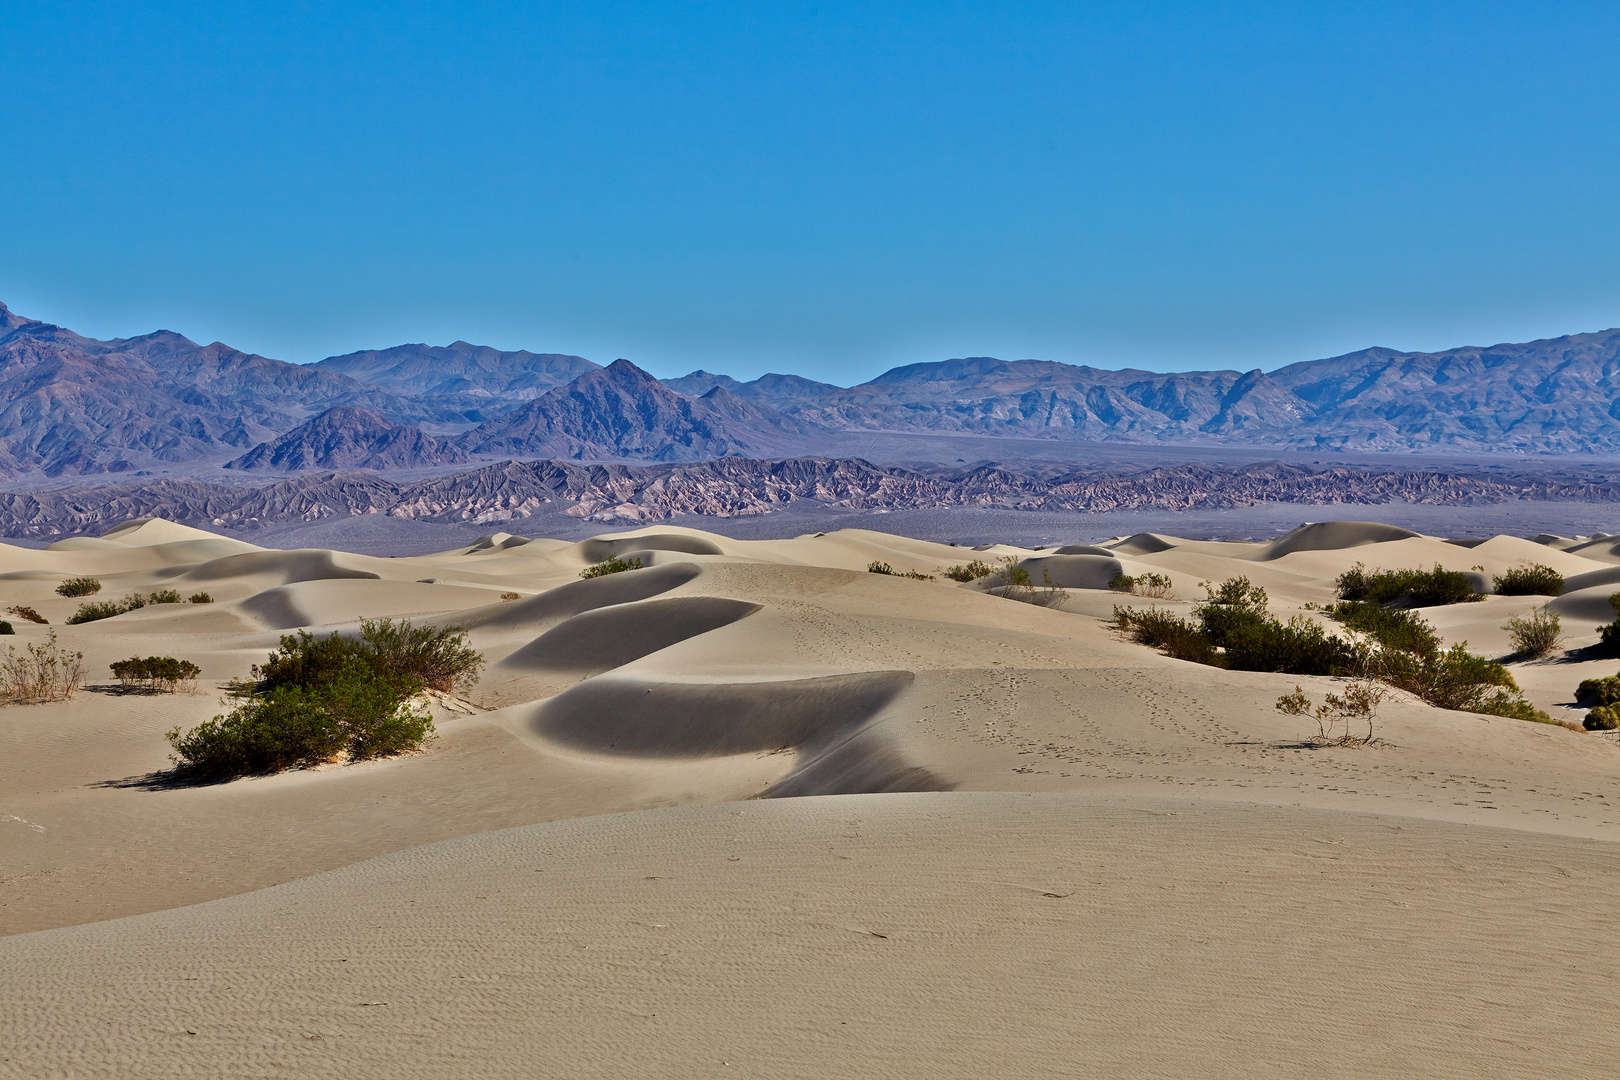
1225 899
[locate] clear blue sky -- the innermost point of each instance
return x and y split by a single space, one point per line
815 187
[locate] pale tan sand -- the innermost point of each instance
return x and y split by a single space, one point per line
729 670
955 935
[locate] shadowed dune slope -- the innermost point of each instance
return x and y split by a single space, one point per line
622 715
608 637
924 935
577 596
594 551
1334 536
287 567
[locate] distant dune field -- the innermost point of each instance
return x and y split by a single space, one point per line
755 810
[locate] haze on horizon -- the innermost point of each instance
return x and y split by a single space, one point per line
830 190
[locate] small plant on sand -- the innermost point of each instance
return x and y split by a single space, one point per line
1153 586
972 571
78 586
1016 584
27 613
156 674
1532 580
95 611
1535 634
163 596
510 596
1602 718
43 671
199 598
875 567
6 628
610 566
1356 706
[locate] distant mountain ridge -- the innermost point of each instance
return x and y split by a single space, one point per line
71 405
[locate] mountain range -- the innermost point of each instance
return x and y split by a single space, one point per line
71 405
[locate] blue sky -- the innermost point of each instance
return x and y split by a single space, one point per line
819 188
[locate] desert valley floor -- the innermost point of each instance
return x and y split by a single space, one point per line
752 810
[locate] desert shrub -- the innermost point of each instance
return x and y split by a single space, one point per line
1416 588
43 671
27 613
356 710
155 674
610 566
1234 604
163 596
438 656
1016 584
199 598
1602 718
876 567
1165 630
1533 580
78 586
510 596
96 610
1452 679
1535 634
1603 691
1609 633
6 628
1153 586
1298 647
1392 628
973 571
1357 705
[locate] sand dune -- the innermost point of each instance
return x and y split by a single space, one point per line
1034 847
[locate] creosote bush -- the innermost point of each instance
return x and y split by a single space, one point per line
27 613
163 596
1602 691
875 567
610 566
1153 586
510 596
6 628
155 674
1609 633
1602 718
1414 588
106 609
78 586
43 671
1016 584
1536 634
321 699
1535 579
199 598
1233 628
1357 705
972 571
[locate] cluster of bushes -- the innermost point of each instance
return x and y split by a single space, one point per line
1234 628
106 609
155 674
1414 588
1532 580
79 586
27 613
43 671
1603 695
876 567
610 566
1155 586
319 699
973 571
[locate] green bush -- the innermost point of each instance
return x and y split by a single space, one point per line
1156 586
1453 679
1299 647
1236 604
1602 718
1390 627
96 610
973 571
1609 633
154 674
163 596
356 710
437 657
78 586
1122 582
199 598
610 566
27 613
1603 691
1532 580
1416 588
1535 634
1165 630
876 567
6 627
